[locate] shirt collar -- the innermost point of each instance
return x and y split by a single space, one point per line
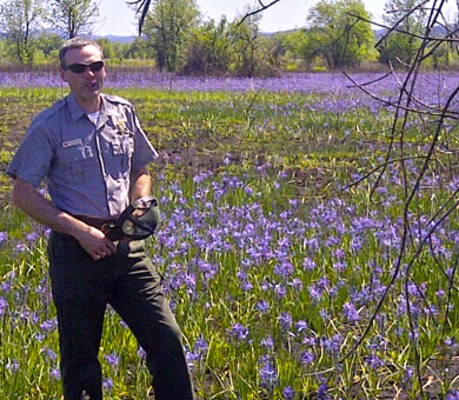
77 111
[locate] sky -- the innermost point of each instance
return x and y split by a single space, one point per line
118 19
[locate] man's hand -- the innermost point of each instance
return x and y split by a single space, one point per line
96 244
36 206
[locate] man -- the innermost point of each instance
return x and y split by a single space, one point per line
93 154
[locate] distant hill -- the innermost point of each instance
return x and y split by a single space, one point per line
119 39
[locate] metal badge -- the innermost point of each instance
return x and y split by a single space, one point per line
120 124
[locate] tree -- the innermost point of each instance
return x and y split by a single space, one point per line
245 38
292 48
20 21
234 48
408 22
209 49
74 17
108 46
168 27
48 44
139 49
339 33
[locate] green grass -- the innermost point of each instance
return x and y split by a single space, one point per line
253 210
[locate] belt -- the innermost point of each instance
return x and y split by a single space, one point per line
95 222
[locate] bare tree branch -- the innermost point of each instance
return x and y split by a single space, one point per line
436 116
144 5
262 8
142 10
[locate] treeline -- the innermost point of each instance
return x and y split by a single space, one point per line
176 38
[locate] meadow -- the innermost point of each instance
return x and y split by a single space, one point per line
280 251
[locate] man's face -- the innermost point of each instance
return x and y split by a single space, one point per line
85 85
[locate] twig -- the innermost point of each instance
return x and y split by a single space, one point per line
262 8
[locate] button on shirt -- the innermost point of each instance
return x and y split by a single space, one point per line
87 167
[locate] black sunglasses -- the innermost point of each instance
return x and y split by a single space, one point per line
80 68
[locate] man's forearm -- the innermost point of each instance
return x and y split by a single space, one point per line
42 210
140 185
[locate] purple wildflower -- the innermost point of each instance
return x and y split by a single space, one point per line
297 284
322 392
453 395
280 290
3 306
198 353
49 353
32 237
141 353
55 373
285 320
3 237
268 371
191 358
113 359
262 306
21 247
307 357
440 293
284 269
49 325
288 393
201 345
374 361
350 312
107 384
239 331
267 342
12 366
301 326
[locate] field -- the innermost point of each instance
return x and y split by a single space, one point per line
297 263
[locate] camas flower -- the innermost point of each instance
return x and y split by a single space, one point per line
113 359
350 312
239 331
107 384
288 393
3 237
268 371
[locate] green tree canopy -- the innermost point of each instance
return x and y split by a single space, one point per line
209 50
73 17
168 27
339 34
408 20
20 22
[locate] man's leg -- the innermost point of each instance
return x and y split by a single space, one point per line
78 292
141 303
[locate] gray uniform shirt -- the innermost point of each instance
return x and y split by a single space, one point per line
87 168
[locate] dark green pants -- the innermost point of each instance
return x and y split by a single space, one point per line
82 288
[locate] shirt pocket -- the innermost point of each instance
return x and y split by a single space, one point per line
123 145
77 159
122 148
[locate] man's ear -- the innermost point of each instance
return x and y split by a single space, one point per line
62 74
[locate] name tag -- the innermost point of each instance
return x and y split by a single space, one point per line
70 143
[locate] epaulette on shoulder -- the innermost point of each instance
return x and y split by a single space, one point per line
114 99
48 113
